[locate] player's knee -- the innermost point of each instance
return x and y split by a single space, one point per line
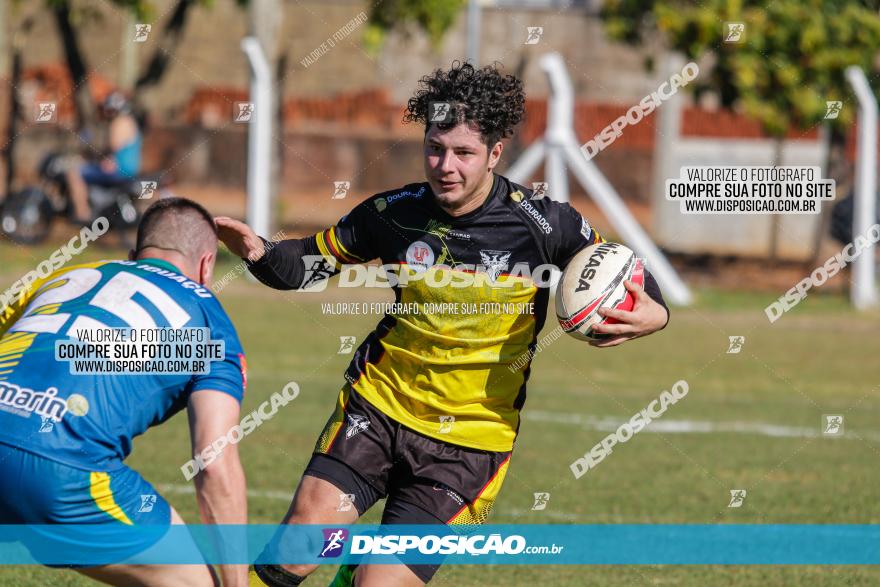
314 499
301 570
278 576
306 516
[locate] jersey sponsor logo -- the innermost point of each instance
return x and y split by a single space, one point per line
442 231
495 262
23 402
356 425
77 405
382 202
451 493
586 230
420 256
536 216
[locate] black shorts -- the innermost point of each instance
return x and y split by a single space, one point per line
369 456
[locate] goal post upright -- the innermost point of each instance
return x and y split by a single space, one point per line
559 150
863 293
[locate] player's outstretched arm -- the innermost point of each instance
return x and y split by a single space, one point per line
220 488
240 238
289 264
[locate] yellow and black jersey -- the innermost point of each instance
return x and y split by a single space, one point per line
471 293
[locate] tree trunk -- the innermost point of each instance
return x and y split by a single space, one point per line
76 65
127 54
278 133
5 56
12 121
14 113
167 44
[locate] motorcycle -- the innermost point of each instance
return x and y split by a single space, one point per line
27 215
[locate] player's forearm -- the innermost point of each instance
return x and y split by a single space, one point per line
282 266
222 495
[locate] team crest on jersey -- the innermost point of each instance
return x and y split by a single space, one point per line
419 256
495 262
356 425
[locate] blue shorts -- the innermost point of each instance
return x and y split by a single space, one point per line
38 491
93 173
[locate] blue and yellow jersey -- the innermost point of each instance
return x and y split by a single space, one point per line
89 420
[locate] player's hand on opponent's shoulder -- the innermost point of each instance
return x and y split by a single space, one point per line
647 316
240 238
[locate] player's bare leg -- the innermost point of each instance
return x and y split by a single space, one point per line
316 501
155 575
79 195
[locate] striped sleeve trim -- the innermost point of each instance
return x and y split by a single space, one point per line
329 244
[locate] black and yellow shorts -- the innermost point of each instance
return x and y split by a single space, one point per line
456 484
368 455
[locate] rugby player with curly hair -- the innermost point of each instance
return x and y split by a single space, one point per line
429 410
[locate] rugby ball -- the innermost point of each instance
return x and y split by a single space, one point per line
594 279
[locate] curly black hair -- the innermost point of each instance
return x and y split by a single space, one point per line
484 97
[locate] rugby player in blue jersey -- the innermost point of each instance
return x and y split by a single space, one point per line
64 437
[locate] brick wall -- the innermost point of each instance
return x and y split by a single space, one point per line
358 136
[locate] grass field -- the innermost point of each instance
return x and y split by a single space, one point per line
819 359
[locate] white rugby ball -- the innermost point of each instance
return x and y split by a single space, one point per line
592 280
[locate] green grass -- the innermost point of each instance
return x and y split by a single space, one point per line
820 358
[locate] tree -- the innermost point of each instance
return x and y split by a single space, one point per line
789 63
67 20
76 63
169 40
435 17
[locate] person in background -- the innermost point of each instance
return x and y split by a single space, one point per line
122 162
